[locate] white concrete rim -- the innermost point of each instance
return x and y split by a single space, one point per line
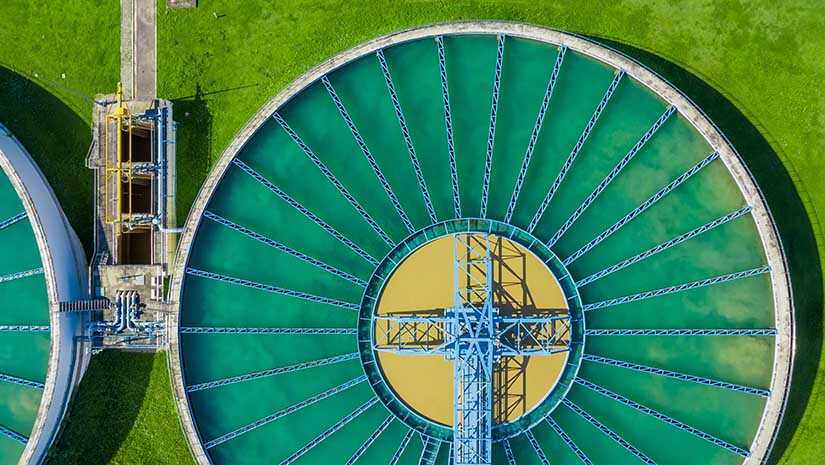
783 304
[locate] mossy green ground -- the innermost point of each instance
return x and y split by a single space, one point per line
123 414
755 67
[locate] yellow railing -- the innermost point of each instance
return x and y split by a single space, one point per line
121 118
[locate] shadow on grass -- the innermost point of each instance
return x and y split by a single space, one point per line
104 408
194 144
57 139
795 228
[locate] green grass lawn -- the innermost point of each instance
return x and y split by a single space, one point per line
122 414
756 68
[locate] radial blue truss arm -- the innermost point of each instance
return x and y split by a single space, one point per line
21 382
429 452
294 204
679 288
368 155
272 372
20 275
283 248
531 144
675 375
13 435
294 331
402 122
604 429
664 246
291 409
403 445
24 328
576 149
680 332
610 176
333 179
662 417
272 289
641 208
508 452
568 440
370 440
488 162
448 118
536 447
330 431
10 221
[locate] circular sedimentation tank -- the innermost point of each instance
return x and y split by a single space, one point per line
342 200
42 264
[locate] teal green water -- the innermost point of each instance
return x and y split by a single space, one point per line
22 354
470 63
10 451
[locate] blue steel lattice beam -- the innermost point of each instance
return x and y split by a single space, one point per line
488 162
680 332
568 440
402 122
370 440
430 451
576 149
611 176
273 289
448 118
641 208
21 382
664 246
10 221
368 155
20 275
227 330
291 409
286 198
271 372
675 375
333 180
330 431
604 429
536 447
679 288
287 250
662 417
531 145
403 445
24 328
13 436
508 452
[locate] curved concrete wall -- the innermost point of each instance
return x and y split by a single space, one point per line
64 264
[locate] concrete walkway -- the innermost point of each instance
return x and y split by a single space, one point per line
138 48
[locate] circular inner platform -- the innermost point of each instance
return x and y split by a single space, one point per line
332 209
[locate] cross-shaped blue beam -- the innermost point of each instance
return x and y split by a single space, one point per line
475 336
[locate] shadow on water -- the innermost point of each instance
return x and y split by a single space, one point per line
104 408
795 228
57 139
194 145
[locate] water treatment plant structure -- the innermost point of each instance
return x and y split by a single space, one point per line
320 313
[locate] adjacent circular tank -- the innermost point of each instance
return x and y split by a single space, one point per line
41 264
649 227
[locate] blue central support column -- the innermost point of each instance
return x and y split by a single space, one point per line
474 338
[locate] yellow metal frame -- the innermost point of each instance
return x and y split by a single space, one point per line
120 117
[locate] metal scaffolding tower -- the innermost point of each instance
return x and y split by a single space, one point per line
476 335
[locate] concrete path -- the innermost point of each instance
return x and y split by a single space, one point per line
138 48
